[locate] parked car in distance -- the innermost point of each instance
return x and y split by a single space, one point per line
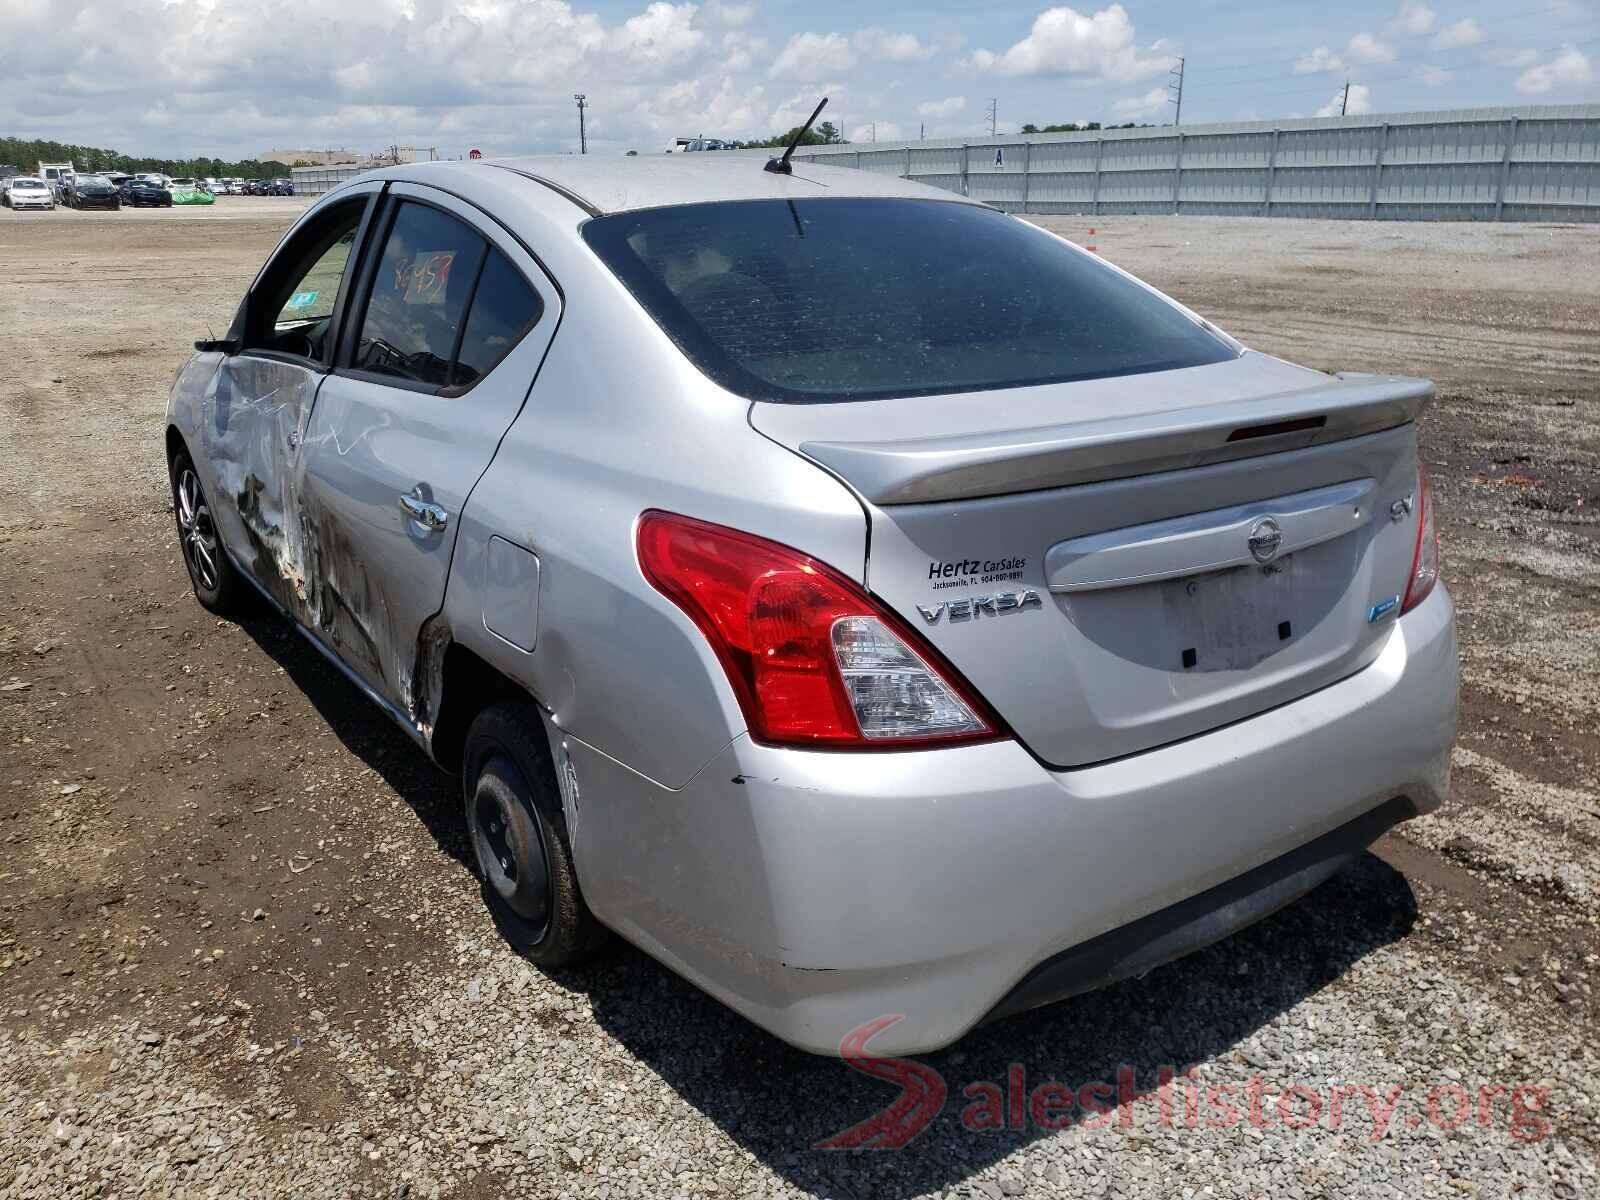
146 193
952 625
280 187
28 191
93 191
56 176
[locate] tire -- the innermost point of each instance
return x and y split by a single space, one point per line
517 826
216 583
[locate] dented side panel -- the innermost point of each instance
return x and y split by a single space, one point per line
253 418
377 576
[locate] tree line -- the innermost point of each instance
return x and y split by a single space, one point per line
28 153
1085 127
825 134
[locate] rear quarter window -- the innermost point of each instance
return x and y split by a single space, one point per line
809 301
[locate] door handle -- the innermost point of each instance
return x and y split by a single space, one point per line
424 512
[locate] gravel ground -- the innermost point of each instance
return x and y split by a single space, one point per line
241 953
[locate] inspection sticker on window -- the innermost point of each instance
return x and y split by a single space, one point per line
302 300
430 277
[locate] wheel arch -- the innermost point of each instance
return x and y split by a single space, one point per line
175 444
468 684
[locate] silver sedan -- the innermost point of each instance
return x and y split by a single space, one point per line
867 603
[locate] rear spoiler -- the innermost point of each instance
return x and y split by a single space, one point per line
918 470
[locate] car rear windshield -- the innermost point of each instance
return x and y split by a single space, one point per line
809 301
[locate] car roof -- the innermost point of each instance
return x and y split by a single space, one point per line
603 184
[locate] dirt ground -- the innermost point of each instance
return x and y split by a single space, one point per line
241 952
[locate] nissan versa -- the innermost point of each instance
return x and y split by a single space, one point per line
864 601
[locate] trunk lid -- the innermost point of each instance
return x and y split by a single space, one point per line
1118 564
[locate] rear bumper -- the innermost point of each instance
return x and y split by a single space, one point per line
815 892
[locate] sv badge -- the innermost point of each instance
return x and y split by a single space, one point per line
970 607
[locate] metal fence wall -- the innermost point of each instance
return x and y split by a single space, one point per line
1538 163
313 181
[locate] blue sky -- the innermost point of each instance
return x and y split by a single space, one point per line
240 76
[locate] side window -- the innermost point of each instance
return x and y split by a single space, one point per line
294 306
419 296
503 309
313 295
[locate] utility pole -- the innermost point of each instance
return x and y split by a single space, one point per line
1175 90
583 137
1344 100
922 131
873 134
994 108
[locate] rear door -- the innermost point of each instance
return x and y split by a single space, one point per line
452 322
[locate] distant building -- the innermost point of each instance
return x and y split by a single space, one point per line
403 154
321 158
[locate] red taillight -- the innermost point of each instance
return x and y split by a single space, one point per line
1425 557
814 660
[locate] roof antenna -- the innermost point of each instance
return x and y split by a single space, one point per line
780 166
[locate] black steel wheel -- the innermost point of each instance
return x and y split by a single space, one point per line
516 823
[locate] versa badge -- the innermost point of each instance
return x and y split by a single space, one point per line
968 608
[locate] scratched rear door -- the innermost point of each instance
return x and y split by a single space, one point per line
452 320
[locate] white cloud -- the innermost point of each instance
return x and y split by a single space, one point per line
1364 48
740 50
662 34
1434 76
876 130
813 56
356 77
1064 41
1570 68
1465 32
1132 107
790 112
948 107
1414 19
1513 58
888 46
698 106
1360 102
1319 60
734 15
